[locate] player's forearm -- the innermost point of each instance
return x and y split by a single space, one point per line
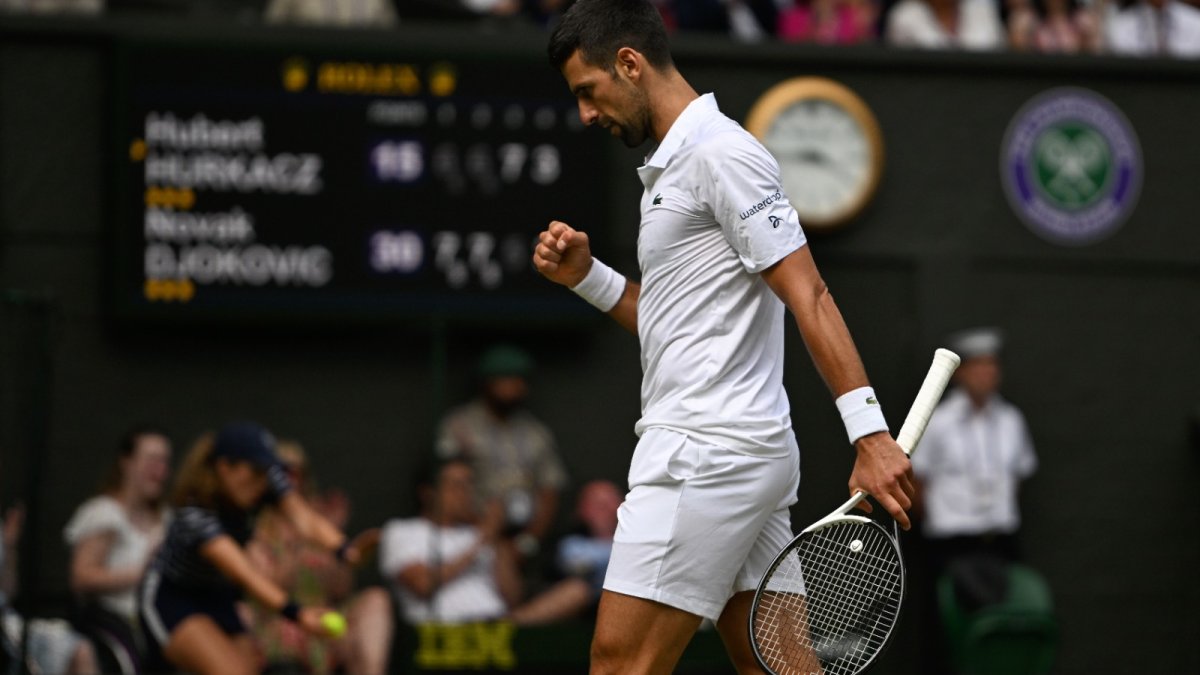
423 580
224 553
508 577
86 578
311 525
543 514
830 345
797 282
625 311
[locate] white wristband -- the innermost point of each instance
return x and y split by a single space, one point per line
861 413
602 287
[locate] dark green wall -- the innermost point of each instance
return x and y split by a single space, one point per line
1104 340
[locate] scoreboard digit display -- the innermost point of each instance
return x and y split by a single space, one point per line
259 182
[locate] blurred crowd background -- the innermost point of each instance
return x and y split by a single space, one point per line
496 450
1137 27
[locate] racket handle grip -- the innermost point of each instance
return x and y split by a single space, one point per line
944 364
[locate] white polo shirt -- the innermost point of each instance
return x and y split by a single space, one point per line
711 330
1145 31
971 463
473 595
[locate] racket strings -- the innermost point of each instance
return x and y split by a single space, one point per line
829 605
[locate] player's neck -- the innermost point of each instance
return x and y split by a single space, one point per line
669 95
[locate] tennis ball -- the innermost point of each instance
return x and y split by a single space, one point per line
335 623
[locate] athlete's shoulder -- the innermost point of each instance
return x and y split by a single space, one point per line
101 513
193 515
718 131
104 505
196 524
727 145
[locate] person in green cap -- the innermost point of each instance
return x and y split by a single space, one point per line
515 457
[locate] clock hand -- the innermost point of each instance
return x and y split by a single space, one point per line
812 157
844 170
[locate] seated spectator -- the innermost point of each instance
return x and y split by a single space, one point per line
744 20
340 13
112 537
1155 28
945 24
42 645
513 453
829 22
535 12
492 7
444 565
1053 26
582 560
313 576
53 6
545 12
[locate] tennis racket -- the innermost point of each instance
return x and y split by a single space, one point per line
829 601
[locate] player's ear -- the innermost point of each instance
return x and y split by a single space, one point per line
629 63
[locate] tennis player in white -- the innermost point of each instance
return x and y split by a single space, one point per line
721 253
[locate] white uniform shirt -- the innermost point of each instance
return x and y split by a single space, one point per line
911 23
971 463
711 330
130 547
471 596
1145 31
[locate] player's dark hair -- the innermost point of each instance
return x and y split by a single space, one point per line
599 28
196 480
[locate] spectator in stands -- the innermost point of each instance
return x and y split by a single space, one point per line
974 455
50 645
829 22
744 20
53 6
187 599
973 458
444 565
313 576
513 453
1155 28
1053 26
340 13
582 560
945 24
112 537
500 8
546 12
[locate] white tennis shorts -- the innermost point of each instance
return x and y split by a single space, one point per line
700 522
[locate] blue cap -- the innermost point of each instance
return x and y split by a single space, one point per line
246 441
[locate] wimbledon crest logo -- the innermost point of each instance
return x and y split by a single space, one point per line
1071 166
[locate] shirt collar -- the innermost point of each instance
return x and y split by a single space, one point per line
689 119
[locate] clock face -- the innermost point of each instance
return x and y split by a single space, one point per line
827 144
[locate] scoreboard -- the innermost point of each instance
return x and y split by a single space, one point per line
262 182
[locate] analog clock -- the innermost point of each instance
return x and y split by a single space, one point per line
827 143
